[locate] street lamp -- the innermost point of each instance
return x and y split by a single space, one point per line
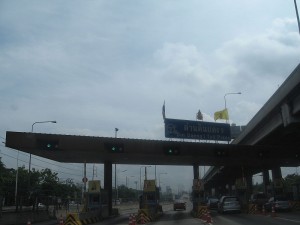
234 93
127 181
51 121
141 175
17 175
116 134
29 168
297 15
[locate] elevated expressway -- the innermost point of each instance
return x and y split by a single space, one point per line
276 129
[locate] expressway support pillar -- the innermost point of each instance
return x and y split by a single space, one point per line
196 194
277 181
196 171
266 180
249 186
108 184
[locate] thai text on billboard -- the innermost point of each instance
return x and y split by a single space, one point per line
189 129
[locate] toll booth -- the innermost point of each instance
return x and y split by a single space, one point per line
93 209
97 199
200 209
242 191
149 205
198 194
93 196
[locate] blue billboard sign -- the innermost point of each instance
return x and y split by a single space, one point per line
189 129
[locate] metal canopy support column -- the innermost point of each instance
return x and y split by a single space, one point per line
196 171
108 184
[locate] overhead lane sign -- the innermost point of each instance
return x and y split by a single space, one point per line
189 129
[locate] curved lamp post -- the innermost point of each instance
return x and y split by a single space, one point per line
29 169
233 93
50 121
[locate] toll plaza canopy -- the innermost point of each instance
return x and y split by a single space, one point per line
271 138
79 149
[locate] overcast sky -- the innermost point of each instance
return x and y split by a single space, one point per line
96 65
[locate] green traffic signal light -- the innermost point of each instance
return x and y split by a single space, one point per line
115 147
172 150
48 144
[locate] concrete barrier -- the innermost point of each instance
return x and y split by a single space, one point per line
21 218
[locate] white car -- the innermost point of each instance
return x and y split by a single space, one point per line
41 206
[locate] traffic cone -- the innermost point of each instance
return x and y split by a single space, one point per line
208 218
142 219
133 220
130 219
61 221
28 222
264 210
204 216
273 211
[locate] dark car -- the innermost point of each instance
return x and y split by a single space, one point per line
259 198
279 203
179 204
229 204
212 202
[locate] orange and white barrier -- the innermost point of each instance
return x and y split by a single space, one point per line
61 221
130 219
273 211
208 218
133 220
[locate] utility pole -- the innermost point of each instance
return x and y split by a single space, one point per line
297 14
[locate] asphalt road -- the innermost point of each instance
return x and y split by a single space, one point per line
171 217
184 217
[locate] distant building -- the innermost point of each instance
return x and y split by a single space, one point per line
168 190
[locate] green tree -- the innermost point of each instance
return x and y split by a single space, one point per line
42 186
290 180
127 193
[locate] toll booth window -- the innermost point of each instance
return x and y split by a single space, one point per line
104 197
151 197
95 199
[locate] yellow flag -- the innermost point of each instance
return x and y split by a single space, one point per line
221 115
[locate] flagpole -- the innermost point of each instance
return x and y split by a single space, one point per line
297 15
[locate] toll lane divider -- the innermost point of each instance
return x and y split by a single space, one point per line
295 205
143 216
82 218
204 214
73 219
252 208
